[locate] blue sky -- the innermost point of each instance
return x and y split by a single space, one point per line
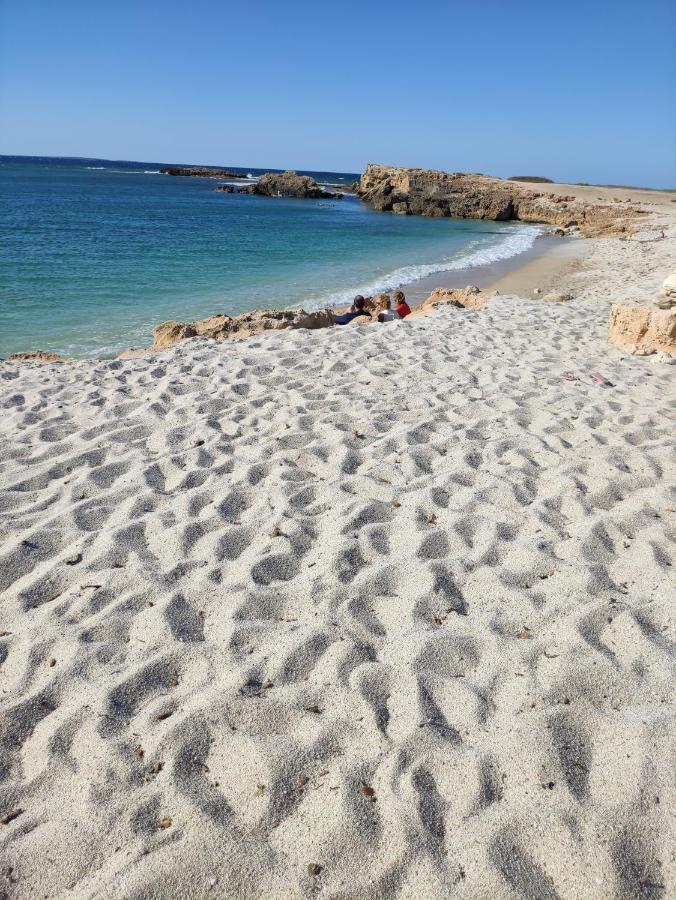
577 91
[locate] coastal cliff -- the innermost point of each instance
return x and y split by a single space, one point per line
428 192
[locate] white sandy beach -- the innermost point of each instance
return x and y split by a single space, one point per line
372 612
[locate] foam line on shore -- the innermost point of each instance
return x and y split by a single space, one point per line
516 242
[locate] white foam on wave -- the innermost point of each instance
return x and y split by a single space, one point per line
94 168
477 254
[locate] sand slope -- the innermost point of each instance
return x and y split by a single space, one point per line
395 603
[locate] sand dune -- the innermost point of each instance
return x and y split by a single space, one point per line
381 612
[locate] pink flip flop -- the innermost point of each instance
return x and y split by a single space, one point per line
600 379
569 376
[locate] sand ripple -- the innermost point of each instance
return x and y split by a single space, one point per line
364 613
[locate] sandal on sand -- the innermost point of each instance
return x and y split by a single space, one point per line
600 379
569 376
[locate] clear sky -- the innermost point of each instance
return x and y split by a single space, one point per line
577 91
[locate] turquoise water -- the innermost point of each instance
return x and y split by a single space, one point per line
93 254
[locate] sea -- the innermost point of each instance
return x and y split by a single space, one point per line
94 253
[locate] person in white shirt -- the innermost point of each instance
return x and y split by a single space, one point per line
385 311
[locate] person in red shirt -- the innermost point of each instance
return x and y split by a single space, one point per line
401 306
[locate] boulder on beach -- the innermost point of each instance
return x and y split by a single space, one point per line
557 297
641 331
467 298
169 333
667 295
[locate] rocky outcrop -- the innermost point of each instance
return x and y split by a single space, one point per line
557 297
431 193
221 328
468 298
641 331
288 184
532 179
35 356
200 172
667 296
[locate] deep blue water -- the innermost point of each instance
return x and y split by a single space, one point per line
94 253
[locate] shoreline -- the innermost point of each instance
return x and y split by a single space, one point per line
542 265
548 254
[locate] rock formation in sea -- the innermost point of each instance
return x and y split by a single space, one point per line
200 172
468 196
288 184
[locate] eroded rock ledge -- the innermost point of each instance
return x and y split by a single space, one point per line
427 192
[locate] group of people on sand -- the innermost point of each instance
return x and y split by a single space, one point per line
385 311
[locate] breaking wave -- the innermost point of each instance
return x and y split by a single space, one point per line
476 254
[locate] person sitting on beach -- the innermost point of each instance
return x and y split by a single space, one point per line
385 311
401 306
357 309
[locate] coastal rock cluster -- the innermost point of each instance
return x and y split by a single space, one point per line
641 330
220 328
35 356
467 298
288 184
472 196
200 172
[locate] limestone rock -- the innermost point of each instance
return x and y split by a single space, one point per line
220 328
642 331
35 356
469 298
469 196
288 184
200 172
667 296
669 284
169 333
557 297
132 353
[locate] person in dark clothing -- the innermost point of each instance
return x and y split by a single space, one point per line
357 309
